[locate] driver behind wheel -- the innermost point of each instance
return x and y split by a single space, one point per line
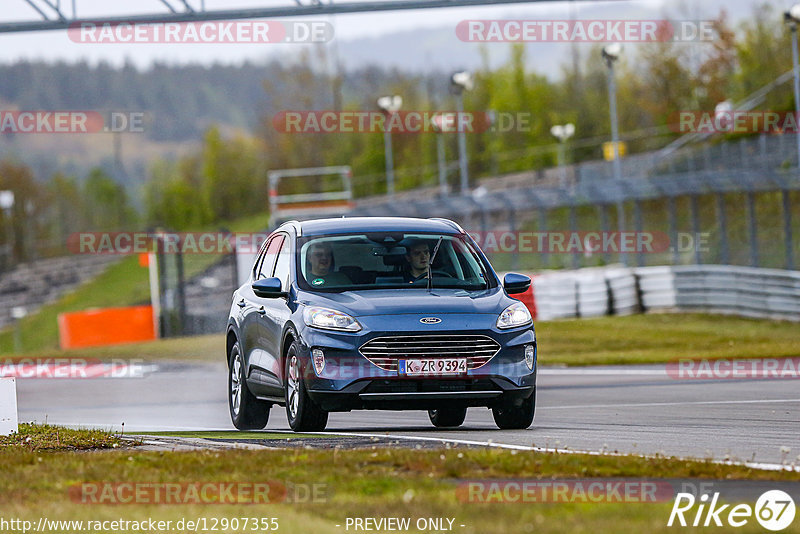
320 266
417 257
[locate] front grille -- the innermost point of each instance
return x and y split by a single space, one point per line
385 351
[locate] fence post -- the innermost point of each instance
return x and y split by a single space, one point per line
695 227
673 229
751 224
163 287
512 225
543 228
605 226
706 157
573 228
787 228
637 221
723 229
181 292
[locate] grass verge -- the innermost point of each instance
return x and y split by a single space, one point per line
35 437
366 483
124 283
657 338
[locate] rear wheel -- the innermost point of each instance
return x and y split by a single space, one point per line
447 417
303 414
511 416
247 412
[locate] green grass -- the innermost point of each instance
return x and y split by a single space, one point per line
364 483
650 338
124 283
35 437
655 338
197 348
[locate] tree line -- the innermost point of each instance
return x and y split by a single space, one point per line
225 177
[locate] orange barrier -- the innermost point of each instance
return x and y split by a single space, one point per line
529 300
106 326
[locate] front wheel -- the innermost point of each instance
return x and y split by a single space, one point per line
303 414
247 412
511 416
448 417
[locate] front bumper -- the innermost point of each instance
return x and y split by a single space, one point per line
349 381
425 394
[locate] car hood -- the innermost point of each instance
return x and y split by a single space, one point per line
412 301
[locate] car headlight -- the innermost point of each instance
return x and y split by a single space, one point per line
515 315
329 319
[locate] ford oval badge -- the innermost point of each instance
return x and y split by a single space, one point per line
430 320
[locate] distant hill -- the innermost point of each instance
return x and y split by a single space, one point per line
439 49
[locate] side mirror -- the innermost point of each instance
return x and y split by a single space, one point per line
516 283
268 288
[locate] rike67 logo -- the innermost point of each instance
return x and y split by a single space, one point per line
774 510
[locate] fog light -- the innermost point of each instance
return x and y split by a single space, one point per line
319 360
530 353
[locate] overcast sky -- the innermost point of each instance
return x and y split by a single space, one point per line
54 45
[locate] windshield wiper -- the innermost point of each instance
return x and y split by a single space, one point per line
433 257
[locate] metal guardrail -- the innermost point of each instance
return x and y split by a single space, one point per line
723 289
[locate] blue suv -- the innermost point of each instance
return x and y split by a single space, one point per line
378 313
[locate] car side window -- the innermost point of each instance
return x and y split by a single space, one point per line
282 265
271 253
262 250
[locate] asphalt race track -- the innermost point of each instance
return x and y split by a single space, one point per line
626 409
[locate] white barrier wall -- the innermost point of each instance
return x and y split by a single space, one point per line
744 291
244 264
8 406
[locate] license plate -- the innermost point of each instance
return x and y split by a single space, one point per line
433 367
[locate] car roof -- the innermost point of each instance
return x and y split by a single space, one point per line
345 225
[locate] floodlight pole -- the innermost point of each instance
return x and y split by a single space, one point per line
389 105
387 150
462 144
612 104
796 69
440 156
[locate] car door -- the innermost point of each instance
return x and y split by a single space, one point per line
276 314
252 331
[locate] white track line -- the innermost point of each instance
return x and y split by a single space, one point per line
603 371
678 403
489 443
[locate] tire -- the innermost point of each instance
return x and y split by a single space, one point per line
302 413
447 417
247 412
509 417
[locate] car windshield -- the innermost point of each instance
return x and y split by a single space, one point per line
380 260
